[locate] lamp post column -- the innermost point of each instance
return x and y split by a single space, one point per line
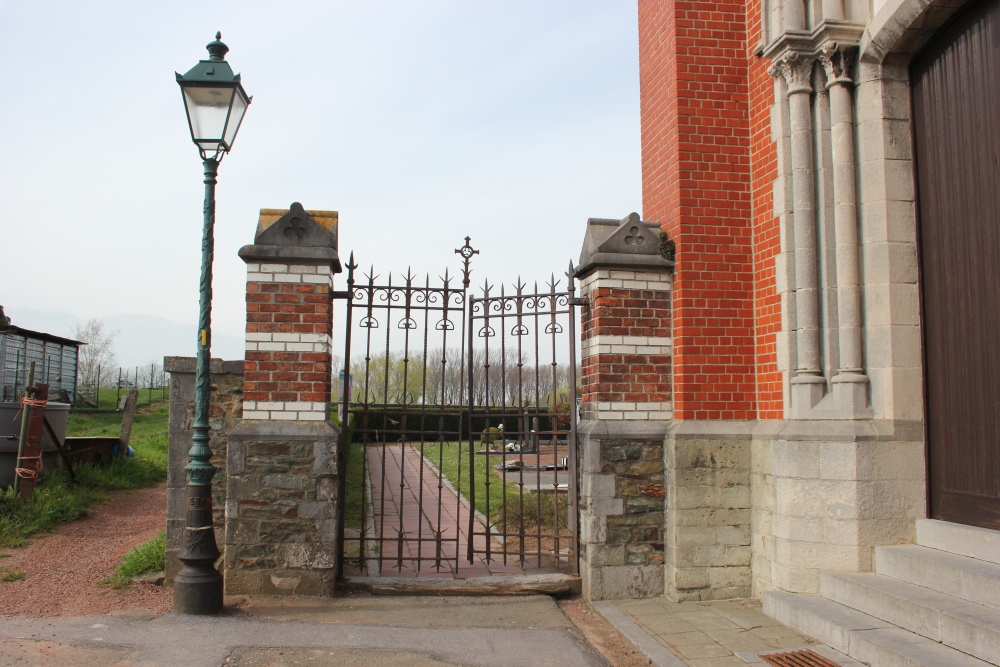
198 586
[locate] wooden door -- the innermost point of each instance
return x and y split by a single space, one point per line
956 105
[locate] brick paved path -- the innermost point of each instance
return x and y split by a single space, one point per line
409 520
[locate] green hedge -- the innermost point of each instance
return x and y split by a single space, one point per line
392 423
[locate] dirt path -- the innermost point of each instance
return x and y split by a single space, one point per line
62 569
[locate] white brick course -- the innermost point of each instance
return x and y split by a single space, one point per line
631 411
626 345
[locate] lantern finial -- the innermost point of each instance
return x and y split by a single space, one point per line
217 50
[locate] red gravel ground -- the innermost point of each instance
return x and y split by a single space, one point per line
62 569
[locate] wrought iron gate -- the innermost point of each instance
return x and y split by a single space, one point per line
529 398
458 451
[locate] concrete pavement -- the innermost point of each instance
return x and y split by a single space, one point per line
720 633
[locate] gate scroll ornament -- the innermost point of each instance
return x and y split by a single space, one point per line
440 376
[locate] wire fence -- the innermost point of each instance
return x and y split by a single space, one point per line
111 386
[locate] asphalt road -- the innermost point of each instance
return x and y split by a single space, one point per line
361 631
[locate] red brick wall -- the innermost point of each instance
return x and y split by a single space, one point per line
766 244
695 103
615 377
288 375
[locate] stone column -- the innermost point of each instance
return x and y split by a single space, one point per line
794 15
833 10
626 354
281 506
850 382
808 385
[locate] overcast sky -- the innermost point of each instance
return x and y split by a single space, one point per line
420 121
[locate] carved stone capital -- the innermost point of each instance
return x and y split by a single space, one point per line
837 61
796 68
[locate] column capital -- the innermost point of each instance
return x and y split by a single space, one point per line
837 60
796 68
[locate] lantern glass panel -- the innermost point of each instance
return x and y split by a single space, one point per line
240 103
207 108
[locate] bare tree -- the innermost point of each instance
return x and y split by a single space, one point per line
148 376
97 353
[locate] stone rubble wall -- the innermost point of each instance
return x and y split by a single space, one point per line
622 511
281 528
225 411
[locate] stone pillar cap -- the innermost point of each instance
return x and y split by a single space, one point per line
630 243
295 235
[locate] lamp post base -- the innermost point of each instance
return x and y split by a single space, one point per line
198 585
198 592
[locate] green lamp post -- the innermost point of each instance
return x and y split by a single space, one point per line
215 103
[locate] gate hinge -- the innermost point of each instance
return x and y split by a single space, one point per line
579 301
340 294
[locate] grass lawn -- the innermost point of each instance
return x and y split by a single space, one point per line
521 511
353 517
108 398
146 557
57 499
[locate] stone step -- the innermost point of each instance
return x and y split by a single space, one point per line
970 628
861 636
830 622
970 541
971 579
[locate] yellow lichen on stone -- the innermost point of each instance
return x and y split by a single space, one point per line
325 219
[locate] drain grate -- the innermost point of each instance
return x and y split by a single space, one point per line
804 658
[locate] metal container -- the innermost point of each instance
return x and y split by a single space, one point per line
57 414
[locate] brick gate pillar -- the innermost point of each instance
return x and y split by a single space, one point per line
281 505
626 351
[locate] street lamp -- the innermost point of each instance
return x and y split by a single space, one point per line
215 103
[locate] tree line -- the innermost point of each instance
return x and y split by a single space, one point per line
499 378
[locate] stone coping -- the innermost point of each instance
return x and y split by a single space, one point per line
292 255
629 243
260 429
189 365
606 429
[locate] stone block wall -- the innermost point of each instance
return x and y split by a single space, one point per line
225 410
708 511
621 520
827 493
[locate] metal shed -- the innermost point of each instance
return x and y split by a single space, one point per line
55 363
